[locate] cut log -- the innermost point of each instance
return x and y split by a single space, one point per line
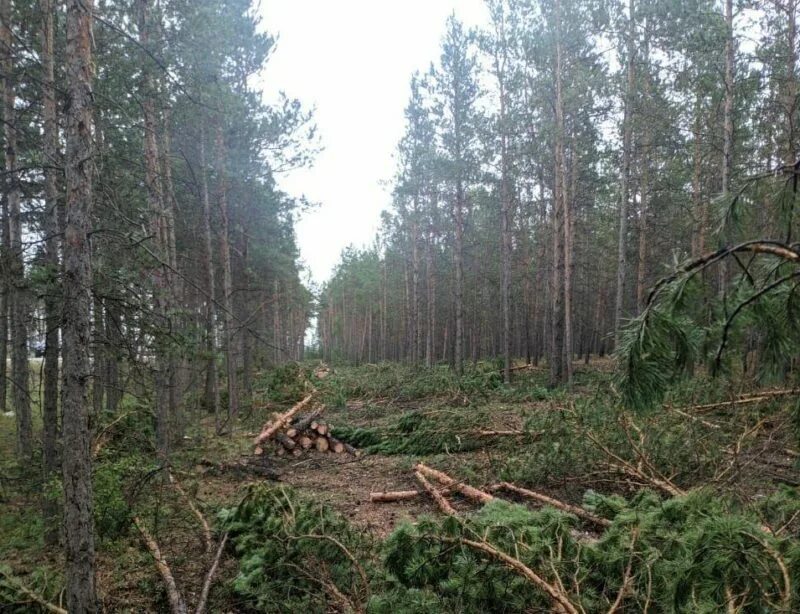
336 446
280 451
297 452
391 496
322 428
322 444
301 423
444 504
292 432
270 429
286 441
305 442
465 489
564 507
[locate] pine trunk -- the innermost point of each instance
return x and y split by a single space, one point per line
77 459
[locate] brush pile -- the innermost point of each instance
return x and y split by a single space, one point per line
293 433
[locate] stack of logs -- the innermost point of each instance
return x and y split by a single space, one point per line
293 433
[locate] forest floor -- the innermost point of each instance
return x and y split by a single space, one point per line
397 417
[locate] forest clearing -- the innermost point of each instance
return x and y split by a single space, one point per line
501 313
561 472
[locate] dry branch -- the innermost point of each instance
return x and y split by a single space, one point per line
21 588
202 519
465 489
270 429
176 602
742 400
201 604
564 507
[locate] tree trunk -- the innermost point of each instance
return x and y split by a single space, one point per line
52 304
557 371
227 281
77 460
627 154
790 85
458 354
159 274
727 135
212 381
20 368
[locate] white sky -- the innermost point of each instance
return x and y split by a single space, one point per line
352 60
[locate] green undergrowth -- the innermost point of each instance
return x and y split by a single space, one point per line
686 554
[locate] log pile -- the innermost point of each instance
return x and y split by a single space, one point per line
293 433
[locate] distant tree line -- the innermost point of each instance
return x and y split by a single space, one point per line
555 165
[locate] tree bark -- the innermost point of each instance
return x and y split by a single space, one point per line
212 381
77 460
627 154
20 368
52 306
227 280
155 202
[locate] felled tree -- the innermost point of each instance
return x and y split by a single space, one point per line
754 315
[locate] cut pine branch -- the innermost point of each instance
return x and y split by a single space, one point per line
560 599
544 499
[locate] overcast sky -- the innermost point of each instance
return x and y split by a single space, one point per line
352 60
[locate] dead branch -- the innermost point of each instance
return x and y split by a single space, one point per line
564 507
18 586
741 400
176 601
201 604
270 429
444 504
100 439
207 539
627 468
465 489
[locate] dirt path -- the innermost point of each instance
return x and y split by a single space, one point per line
345 483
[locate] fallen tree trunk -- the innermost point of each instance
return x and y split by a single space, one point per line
564 507
465 489
270 429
